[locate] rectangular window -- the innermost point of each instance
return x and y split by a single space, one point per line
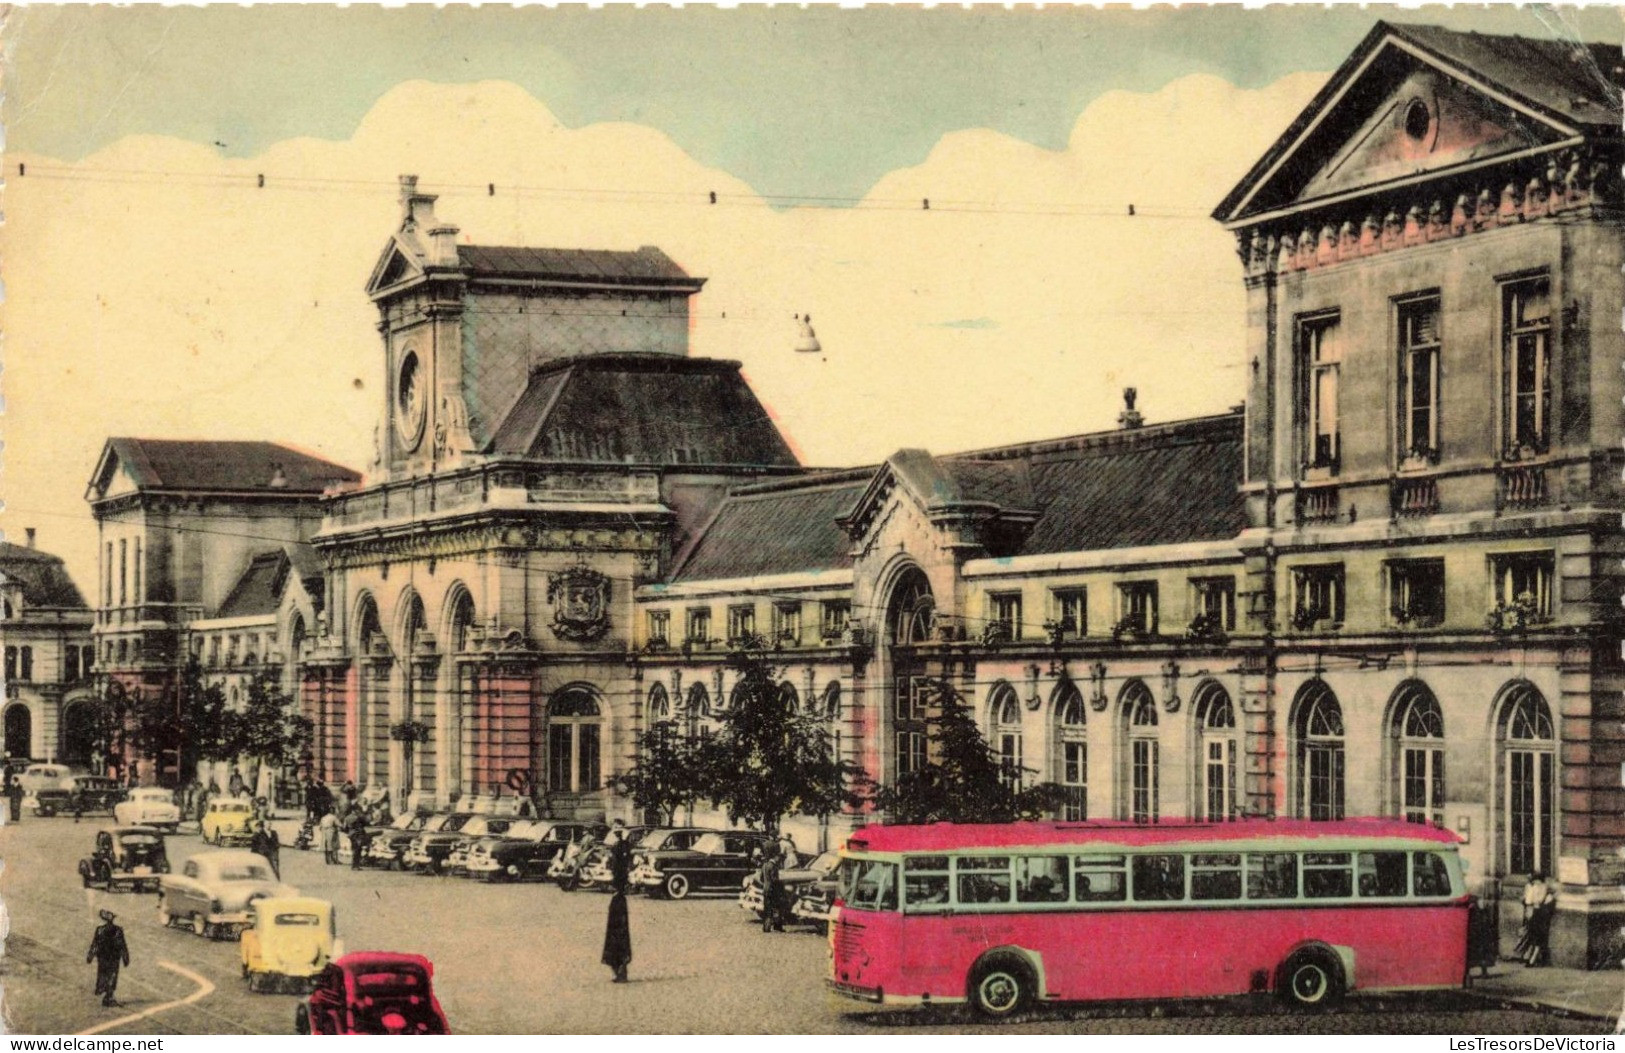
925 882
659 628
1143 803
868 884
1010 770
1071 612
1423 784
1041 879
836 613
1526 367
741 623
1219 779
1430 875
1004 615
1529 793
699 626
1272 875
1323 782
11 663
586 757
1317 595
982 879
910 752
1159 878
1137 608
1419 381
135 593
1521 586
1380 874
787 624
1415 593
71 665
123 571
1213 604
1327 875
1075 781
1320 354
107 577
558 758
1216 875
1100 879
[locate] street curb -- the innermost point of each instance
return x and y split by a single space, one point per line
1505 1001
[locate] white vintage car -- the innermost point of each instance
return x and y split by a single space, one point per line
215 892
148 806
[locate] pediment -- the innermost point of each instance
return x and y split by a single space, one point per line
1394 113
398 263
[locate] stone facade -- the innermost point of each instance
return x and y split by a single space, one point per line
49 660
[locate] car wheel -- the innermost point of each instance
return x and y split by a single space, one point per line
676 886
104 874
570 882
1001 986
1311 979
200 925
301 1019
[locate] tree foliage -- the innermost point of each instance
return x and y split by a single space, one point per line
963 779
185 721
666 774
269 727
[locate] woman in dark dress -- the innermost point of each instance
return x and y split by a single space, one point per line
618 931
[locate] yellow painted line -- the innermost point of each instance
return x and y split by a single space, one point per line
204 990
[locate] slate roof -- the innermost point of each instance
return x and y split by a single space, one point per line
645 266
259 590
778 528
43 577
1568 81
641 409
184 464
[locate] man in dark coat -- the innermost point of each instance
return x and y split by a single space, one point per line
14 795
109 951
618 931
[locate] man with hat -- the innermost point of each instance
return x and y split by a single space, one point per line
108 949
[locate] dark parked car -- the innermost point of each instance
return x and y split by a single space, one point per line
125 855
797 881
527 849
478 829
718 861
387 845
595 872
436 840
568 866
82 795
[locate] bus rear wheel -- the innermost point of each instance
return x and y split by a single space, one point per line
1311 979
1001 987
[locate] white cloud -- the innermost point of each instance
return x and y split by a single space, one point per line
180 305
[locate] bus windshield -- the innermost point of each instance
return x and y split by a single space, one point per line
869 884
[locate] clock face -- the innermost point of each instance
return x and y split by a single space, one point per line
411 400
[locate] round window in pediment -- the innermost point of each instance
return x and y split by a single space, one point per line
411 400
1418 119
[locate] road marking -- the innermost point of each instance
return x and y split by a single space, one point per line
205 988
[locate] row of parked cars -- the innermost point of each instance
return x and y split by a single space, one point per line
667 862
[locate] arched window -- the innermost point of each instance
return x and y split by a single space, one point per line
573 722
1528 776
462 623
296 637
658 710
1318 729
1004 713
1072 751
698 709
368 629
1216 748
1417 739
1139 716
789 697
912 608
19 730
831 706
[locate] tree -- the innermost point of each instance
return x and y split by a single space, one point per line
186 721
770 758
963 779
269 729
667 773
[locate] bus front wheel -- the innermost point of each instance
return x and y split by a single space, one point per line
1001 986
1311 979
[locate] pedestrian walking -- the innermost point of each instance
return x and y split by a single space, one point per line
772 889
109 951
14 797
273 849
358 839
1482 937
618 928
328 830
1539 905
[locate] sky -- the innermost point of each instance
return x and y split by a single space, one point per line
153 285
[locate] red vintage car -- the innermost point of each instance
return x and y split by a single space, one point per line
373 993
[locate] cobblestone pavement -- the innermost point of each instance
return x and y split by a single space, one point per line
524 958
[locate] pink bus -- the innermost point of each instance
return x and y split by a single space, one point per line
1003 916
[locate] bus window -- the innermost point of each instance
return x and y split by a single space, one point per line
1041 879
1159 878
869 884
1100 879
1432 877
1381 873
1327 875
1216 875
925 881
1272 875
983 879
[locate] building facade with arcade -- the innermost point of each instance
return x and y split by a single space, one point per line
49 660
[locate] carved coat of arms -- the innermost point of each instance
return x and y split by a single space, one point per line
580 601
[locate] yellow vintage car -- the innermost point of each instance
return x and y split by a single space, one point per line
228 821
291 941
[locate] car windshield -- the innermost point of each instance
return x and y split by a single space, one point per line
435 823
825 863
158 796
138 841
649 838
709 843
403 821
310 920
244 872
529 830
403 980
454 823
481 825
